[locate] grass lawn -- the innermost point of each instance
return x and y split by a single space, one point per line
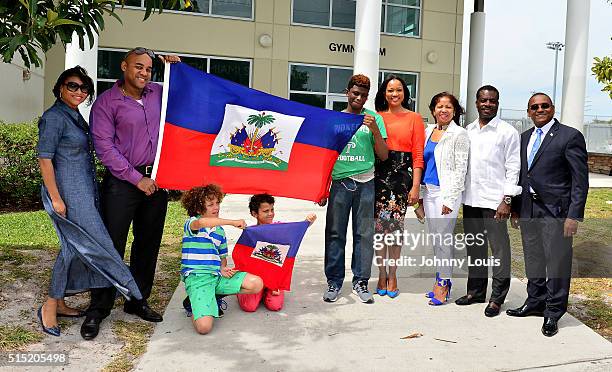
28 246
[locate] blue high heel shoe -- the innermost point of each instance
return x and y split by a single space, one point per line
53 331
393 294
442 283
381 292
430 294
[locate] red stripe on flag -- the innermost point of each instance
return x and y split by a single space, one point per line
184 162
273 276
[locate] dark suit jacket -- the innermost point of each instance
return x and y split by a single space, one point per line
559 174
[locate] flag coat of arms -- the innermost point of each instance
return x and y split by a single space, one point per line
269 251
247 141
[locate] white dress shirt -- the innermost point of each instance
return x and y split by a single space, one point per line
533 137
495 163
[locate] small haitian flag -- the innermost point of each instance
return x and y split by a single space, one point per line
269 251
248 142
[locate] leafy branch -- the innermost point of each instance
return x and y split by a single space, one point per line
29 27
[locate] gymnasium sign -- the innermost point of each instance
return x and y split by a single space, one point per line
349 48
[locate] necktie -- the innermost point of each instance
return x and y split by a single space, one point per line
536 146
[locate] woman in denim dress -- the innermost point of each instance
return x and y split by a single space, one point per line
87 258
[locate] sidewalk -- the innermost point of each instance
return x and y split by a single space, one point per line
310 335
599 180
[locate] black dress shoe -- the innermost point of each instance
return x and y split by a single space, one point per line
468 299
492 309
549 328
143 311
526 310
90 328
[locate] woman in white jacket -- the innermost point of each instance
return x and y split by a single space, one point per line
445 156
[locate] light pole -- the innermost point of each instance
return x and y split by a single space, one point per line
556 46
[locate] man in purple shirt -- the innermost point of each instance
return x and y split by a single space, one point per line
124 123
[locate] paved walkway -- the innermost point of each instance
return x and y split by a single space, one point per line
599 180
310 335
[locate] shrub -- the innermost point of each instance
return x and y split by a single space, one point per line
19 174
20 178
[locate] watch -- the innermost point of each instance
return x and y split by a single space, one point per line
507 200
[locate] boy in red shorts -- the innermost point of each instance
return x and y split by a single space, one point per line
261 207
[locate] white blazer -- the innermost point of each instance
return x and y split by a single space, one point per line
451 155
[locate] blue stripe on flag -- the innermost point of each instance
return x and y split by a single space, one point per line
197 100
279 233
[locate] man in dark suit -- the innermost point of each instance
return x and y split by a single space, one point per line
555 181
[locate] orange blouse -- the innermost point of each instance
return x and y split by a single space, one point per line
406 133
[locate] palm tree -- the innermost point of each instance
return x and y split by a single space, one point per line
259 121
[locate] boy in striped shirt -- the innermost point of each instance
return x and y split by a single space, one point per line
204 257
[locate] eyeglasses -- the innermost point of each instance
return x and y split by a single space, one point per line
140 51
535 106
73 87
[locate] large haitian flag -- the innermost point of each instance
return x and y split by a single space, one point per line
269 251
248 142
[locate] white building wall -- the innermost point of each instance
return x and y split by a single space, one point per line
20 100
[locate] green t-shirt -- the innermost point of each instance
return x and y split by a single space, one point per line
358 155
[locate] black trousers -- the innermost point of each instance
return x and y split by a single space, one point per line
548 261
481 221
122 205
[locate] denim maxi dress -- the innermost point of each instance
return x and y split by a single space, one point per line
87 258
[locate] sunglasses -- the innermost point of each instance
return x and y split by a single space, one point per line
535 106
140 51
73 87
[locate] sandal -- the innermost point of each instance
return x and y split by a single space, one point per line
442 290
431 293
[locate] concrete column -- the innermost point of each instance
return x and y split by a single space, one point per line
575 64
475 59
88 59
367 44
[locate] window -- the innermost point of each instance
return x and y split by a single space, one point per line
222 8
398 17
326 13
109 70
401 17
411 82
323 86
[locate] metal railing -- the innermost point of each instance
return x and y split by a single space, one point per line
597 129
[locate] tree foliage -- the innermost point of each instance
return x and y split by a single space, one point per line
602 69
29 27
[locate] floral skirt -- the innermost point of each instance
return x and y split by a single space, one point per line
393 181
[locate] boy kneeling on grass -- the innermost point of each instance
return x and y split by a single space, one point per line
204 257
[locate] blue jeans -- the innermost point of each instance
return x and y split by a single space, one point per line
345 196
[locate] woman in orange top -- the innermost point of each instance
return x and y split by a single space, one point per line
397 179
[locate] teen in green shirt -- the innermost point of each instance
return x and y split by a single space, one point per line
352 191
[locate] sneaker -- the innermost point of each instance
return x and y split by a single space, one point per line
361 290
187 306
332 293
222 305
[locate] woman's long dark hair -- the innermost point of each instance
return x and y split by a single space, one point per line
454 101
79 72
380 102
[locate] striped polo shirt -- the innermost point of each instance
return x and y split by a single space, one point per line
202 250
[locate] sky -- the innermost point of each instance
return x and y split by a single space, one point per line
516 59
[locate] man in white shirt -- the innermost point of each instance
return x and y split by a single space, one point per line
490 183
